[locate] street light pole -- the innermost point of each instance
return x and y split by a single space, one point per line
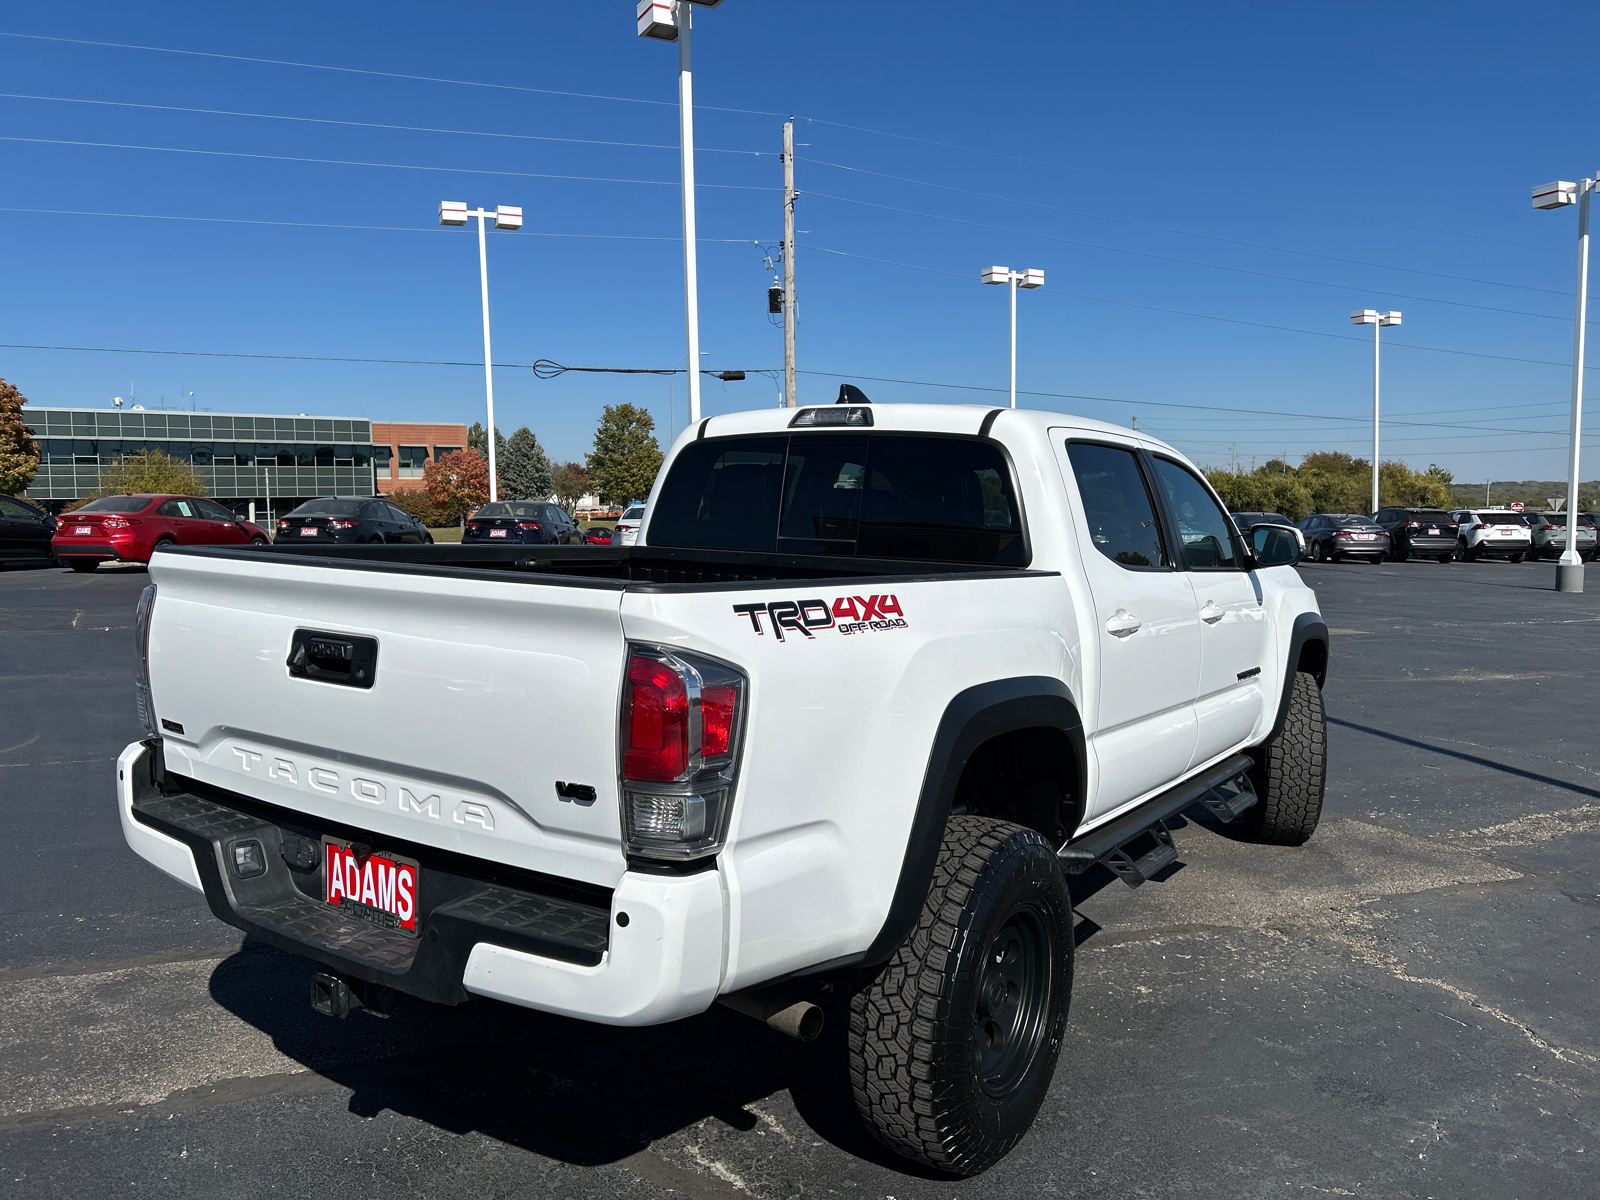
670 21
455 212
1569 571
691 274
1370 316
1031 278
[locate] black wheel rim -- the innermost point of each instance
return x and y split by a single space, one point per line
1013 1002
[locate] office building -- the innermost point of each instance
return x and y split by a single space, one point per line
401 451
243 459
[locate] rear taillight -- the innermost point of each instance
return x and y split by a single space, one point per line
657 747
338 523
115 523
681 723
141 671
283 523
528 525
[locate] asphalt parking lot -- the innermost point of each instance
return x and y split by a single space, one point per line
1404 1007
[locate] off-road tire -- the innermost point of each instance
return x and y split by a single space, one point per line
1290 771
914 1030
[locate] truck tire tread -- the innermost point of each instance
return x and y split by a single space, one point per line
905 1034
1291 771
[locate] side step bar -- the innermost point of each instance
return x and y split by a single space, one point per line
1224 790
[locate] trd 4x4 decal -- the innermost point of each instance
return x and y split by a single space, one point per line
847 614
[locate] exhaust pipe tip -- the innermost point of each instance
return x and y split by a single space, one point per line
799 1019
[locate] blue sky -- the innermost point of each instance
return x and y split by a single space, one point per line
1210 190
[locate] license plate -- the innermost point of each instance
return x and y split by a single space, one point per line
83 529
1363 537
1433 532
309 531
378 888
497 533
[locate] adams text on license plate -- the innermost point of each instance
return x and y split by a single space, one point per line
374 887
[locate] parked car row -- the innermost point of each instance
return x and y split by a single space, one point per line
1397 534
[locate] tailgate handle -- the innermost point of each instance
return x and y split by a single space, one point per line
339 658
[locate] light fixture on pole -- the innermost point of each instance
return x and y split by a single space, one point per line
454 212
1371 316
1569 571
1031 278
670 21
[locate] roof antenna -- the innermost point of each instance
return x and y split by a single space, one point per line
849 393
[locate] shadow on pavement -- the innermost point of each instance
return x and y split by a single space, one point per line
580 1093
1471 758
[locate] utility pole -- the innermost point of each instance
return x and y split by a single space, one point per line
788 264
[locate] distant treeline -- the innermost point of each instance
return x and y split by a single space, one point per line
1330 482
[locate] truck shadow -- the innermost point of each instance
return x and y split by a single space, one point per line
580 1093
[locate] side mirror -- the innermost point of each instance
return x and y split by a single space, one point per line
1277 545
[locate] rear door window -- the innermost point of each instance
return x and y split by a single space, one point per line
1117 505
1208 536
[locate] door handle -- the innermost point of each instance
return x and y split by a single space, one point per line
1122 623
1211 613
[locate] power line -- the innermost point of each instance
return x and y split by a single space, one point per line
547 369
341 162
1073 212
1167 183
1050 237
1265 412
615 237
280 62
524 137
1343 337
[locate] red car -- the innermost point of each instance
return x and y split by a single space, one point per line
597 535
129 528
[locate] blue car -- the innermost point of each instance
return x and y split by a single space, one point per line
521 523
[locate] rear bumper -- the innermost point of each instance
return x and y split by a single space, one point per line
648 952
100 550
1501 547
1445 544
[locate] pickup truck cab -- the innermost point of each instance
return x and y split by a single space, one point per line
873 681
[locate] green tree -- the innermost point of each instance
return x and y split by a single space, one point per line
626 456
571 483
19 453
523 468
149 471
457 482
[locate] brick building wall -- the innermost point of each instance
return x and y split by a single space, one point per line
410 447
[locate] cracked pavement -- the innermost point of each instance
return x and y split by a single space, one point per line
1403 1007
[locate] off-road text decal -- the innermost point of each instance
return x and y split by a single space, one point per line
807 618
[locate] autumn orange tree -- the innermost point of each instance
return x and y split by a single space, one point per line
19 453
457 482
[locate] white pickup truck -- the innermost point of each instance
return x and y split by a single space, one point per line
873 682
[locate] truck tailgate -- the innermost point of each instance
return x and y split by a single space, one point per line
502 688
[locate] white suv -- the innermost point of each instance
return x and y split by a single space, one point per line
1492 531
628 525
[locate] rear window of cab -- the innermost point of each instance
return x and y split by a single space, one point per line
878 495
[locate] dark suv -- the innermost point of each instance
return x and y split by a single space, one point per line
1419 533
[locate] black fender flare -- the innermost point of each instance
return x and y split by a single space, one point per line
975 715
1308 629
